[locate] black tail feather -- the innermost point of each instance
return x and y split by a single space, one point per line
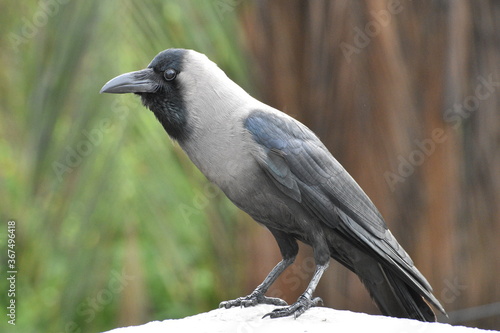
413 303
395 298
399 291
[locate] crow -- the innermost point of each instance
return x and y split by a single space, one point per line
277 170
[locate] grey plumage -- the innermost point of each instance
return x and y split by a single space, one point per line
276 169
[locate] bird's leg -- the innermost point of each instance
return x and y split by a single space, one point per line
289 249
305 300
257 296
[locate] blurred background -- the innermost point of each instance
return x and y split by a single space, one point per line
116 227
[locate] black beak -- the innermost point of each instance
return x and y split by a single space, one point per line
134 82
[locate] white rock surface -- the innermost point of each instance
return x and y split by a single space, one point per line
319 319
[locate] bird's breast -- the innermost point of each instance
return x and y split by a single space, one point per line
222 155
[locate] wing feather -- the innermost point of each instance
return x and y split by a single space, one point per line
302 167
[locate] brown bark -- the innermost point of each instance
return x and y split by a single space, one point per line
390 100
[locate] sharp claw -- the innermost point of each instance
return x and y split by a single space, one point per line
296 309
273 314
317 301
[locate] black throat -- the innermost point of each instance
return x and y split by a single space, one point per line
170 110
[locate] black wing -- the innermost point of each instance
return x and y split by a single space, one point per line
302 168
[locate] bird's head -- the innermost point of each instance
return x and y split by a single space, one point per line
168 86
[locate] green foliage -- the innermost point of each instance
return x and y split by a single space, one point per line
114 224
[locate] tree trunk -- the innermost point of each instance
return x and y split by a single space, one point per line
398 92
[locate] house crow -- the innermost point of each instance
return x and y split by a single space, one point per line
277 170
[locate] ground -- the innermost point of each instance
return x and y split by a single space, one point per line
319 319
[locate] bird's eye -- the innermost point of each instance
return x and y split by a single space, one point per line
170 74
